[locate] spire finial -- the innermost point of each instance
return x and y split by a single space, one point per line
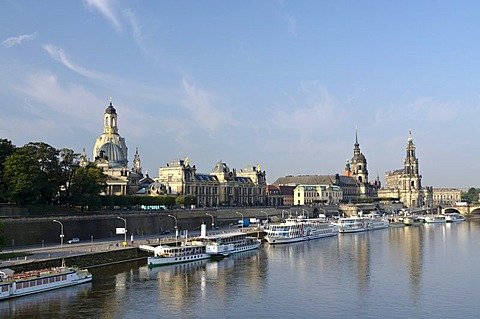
110 100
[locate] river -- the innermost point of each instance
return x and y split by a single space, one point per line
427 271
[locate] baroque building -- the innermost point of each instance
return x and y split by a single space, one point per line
110 153
406 184
357 168
446 196
315 194
222 187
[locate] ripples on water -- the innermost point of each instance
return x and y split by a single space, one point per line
429 271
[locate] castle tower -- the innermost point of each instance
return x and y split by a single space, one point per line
411 179
359 163
137 164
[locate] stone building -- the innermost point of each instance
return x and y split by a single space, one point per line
315 194
274 196
406 184
347 184
446 196
222 187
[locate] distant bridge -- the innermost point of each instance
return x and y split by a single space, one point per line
472 209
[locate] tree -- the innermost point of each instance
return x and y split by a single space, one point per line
6 149
87 184
21 176
471 195
69 163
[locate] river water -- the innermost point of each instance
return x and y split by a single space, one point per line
427 271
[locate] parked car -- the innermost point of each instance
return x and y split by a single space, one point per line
165 232
74 240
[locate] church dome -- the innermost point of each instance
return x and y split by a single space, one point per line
114 154
110 109
220 167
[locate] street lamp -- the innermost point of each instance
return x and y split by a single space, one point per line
125 234
61 232
242 218
176 228
213 220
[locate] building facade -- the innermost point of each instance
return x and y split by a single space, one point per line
406 184
222 187
446 196
316 194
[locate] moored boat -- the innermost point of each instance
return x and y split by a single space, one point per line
168 255
374 222
454 217
35 281
412 221
225 244
352 224
435 219
299 229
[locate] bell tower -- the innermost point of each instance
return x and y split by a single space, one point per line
110 120
359 163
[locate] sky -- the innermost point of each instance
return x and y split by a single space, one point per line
286 85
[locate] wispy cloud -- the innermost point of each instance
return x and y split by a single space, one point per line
434 110
59 55
10 42
318 114
108 10
291 23
136 29
200 104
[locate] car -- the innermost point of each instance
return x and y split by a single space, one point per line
74 240
165 232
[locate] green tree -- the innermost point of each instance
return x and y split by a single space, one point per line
190 200
21 176
180 200
471 196
87 184
69 163
6 149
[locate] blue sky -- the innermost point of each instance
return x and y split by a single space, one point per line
282 84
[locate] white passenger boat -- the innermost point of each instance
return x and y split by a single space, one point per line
435 219
30 282
412 221
454 217
352 224
299 229
168 255
225 244
375 221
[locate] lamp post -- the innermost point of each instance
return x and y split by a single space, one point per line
213 220
125 221
61 232
242 218
176 228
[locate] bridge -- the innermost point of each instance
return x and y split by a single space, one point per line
470 209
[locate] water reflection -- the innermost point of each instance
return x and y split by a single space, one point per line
54 302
